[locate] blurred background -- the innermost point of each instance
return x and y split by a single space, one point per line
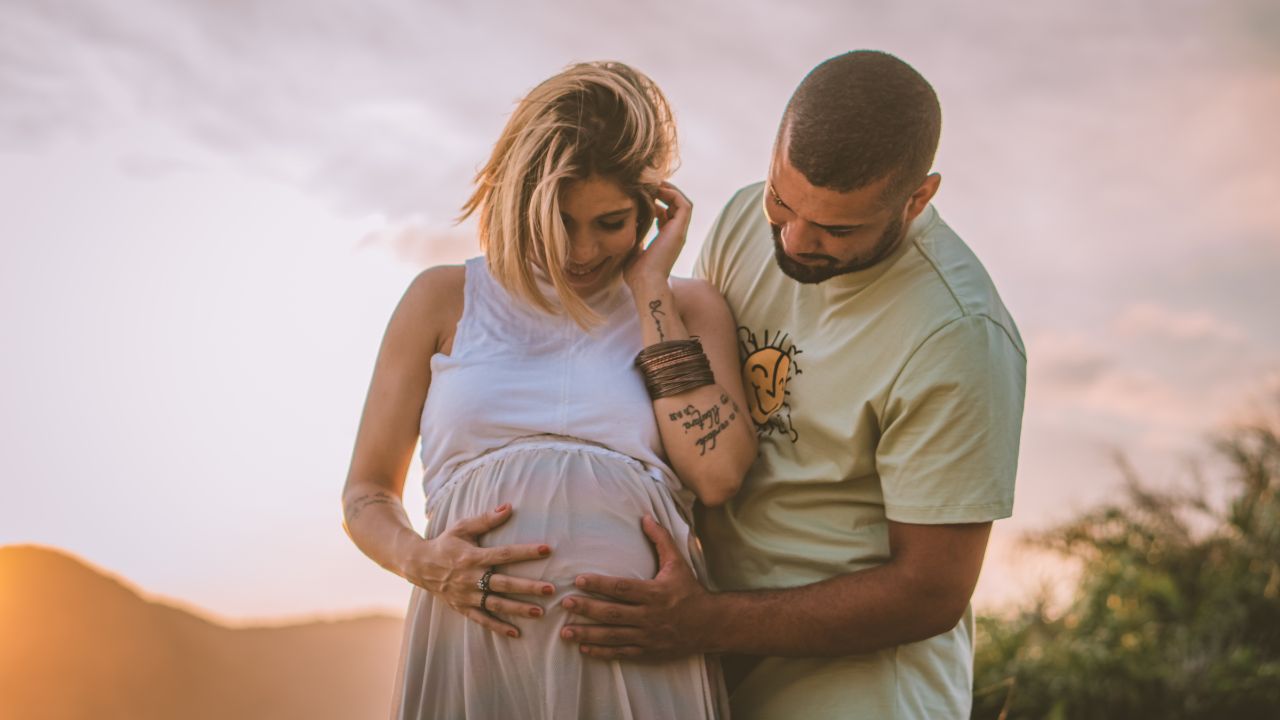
211 208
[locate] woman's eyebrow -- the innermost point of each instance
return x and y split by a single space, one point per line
603 216
611 213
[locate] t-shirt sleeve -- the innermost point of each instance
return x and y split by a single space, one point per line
712 263
948 449
708 263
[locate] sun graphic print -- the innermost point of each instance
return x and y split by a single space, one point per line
767 368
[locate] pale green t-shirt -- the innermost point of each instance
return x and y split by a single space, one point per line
892 393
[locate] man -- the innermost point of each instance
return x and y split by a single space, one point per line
886 381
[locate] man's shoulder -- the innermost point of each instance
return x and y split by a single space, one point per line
743 206
748 196
739 231
961 277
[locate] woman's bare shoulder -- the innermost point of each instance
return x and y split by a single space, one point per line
439 284
431 306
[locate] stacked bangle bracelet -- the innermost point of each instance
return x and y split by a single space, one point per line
674 366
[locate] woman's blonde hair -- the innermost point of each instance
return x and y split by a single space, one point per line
596 118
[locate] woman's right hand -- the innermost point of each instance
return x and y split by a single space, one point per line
450 566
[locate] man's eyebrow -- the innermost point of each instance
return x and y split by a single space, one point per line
777 198
836 228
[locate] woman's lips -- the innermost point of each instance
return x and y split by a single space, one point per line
577 272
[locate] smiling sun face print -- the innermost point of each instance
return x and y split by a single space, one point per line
767 368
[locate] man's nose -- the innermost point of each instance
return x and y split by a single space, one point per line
800 238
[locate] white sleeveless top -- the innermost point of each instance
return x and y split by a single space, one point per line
517 373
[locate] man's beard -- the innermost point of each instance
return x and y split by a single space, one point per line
811 274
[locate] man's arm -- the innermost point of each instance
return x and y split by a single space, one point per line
921 592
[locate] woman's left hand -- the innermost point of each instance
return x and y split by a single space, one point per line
652 265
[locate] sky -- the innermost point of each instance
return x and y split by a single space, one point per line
211 208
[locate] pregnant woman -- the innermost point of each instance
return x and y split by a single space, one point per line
564 387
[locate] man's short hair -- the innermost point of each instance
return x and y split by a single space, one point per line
860 117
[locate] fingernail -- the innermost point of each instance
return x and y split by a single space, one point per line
548 589
582 649
568 604
536 612
580 582
512 633
501 508
567 634
544 549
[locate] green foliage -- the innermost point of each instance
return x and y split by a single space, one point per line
1177 614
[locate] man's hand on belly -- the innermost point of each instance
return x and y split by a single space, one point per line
667 616
921 592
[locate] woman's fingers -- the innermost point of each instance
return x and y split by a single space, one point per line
676 206
470 528
481 524
490 622
675 199
499 605
660 213
509 585
508 554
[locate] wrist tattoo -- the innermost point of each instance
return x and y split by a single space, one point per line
655 309
355 507
707 421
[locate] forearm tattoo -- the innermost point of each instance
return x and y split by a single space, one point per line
655 309
355 507
707 422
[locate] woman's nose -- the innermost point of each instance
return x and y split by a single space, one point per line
582 249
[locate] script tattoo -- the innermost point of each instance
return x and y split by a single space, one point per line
359 504
655 309
707 421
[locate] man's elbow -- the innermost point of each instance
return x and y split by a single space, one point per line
941 611
946 619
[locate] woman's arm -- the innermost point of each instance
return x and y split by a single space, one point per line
373 511
709 440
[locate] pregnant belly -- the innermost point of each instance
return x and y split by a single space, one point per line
585 502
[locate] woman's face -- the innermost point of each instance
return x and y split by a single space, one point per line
601 221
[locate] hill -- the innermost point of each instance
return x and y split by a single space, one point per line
77 643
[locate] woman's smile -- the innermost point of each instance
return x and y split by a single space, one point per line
582 273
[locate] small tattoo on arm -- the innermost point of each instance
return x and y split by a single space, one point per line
355 507
707 421
655 309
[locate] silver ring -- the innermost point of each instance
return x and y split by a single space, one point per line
483 583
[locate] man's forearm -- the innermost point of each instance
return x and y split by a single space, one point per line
921 592
856 613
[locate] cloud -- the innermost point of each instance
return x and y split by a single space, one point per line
1069 361
1157 321
1083 375
418 242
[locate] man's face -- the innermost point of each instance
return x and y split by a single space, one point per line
820 233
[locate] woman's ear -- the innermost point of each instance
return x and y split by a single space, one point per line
644 215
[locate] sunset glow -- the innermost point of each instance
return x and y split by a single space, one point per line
212 208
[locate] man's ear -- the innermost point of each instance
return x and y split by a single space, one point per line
919 199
